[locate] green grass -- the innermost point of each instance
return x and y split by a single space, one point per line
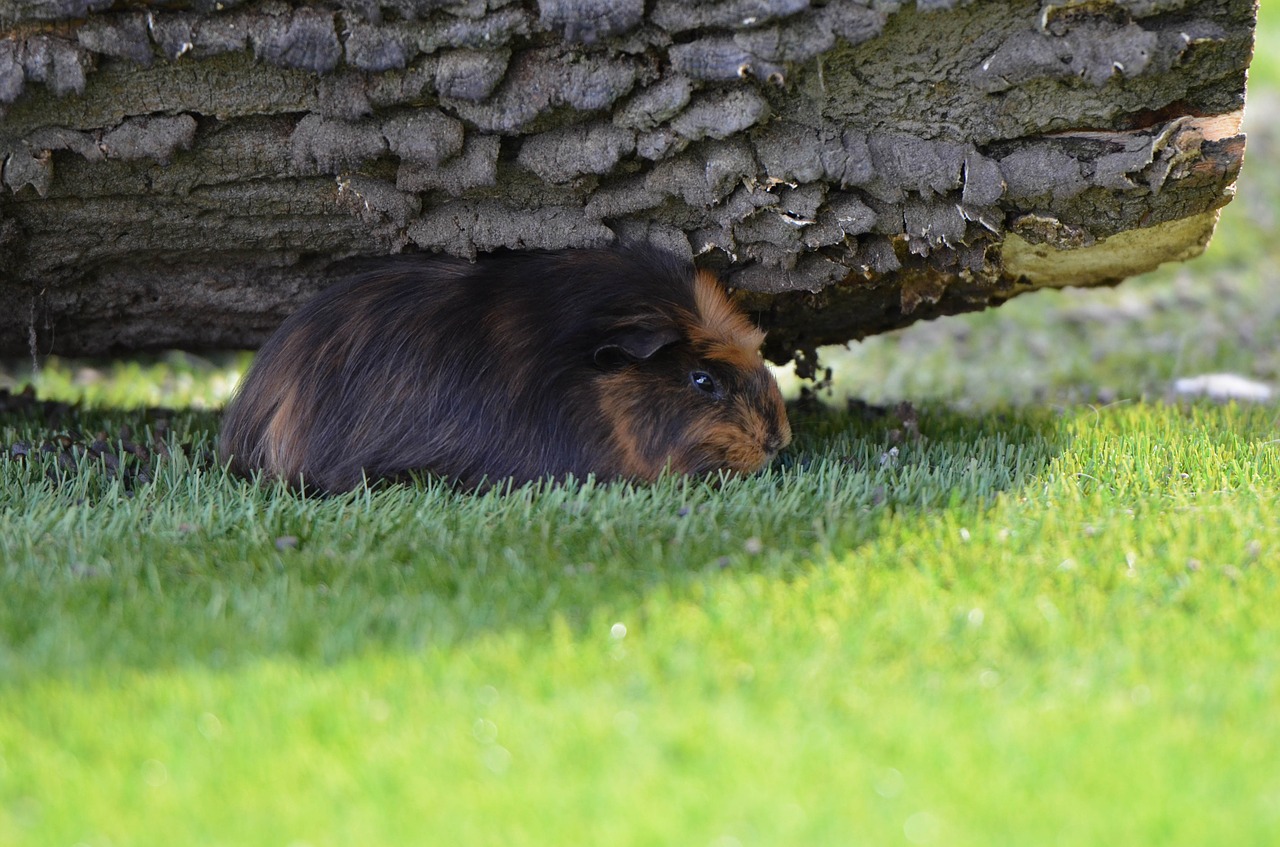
1049 619
1023 628
174 379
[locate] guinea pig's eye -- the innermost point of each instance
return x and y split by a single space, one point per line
703 382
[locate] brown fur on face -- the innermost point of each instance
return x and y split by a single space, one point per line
720 328
739 432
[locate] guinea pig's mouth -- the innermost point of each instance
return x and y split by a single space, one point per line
749 459
725 449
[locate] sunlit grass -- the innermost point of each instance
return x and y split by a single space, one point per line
989 634
175 379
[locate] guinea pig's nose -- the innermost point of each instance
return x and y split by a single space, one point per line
773 444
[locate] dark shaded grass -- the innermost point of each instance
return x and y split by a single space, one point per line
199 566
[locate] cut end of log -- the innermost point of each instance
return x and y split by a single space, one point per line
1107 261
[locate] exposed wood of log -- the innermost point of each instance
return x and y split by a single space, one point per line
187 174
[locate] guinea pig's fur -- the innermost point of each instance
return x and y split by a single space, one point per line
615 362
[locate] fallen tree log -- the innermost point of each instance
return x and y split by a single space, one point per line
186 174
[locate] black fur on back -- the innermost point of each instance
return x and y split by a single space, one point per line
473 371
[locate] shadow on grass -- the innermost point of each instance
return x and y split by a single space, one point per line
191 566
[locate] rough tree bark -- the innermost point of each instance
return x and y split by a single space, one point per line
187 173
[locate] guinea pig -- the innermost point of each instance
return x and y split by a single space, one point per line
617 363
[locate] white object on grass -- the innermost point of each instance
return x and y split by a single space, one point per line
1223 387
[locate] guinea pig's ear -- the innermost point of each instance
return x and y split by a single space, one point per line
634 344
